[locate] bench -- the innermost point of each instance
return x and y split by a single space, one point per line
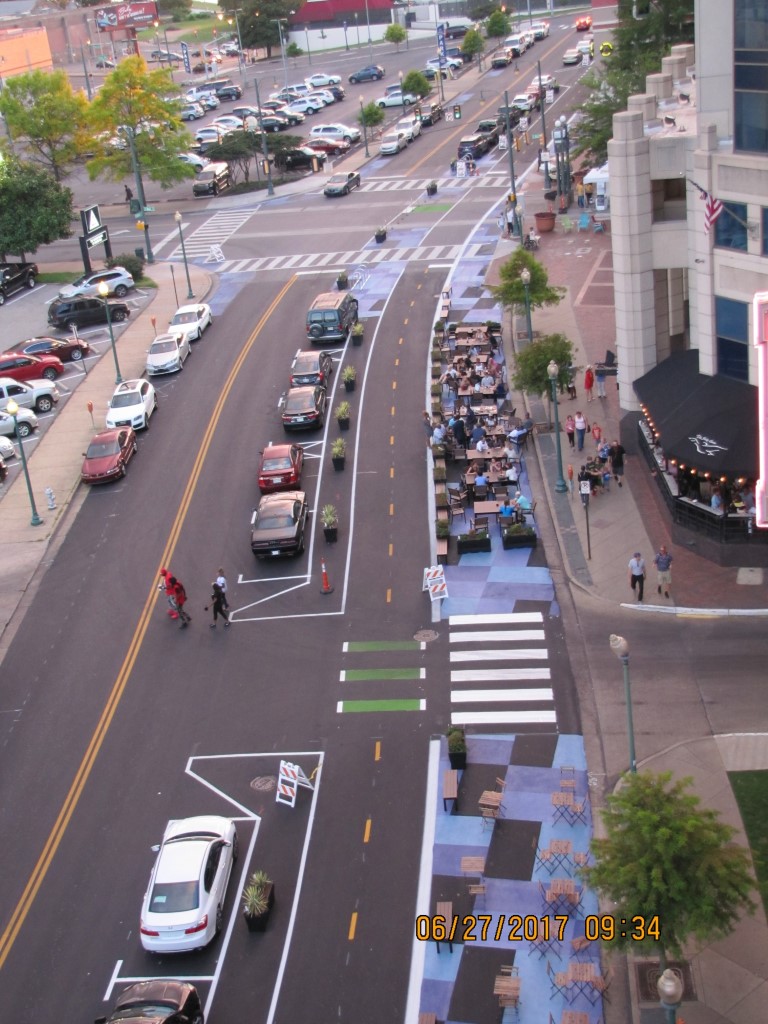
450 780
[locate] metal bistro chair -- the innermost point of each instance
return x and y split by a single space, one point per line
585 220
479 523
598 227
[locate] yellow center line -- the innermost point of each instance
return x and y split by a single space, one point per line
391 472
367 832
389 595
405 322
82 775
397 362
391 550
394 385
377 751
391 508
392 411
400 342
352 926
391 439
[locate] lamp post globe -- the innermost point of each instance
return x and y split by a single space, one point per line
670 989
104 292
12 408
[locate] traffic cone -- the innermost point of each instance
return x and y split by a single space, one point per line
326 587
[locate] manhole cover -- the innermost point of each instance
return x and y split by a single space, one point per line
425 635
264 783
648 973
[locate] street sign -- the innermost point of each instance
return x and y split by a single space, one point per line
461 168
96 239
90 218
502 142
149 209
523 124
185 57
549 97
585 61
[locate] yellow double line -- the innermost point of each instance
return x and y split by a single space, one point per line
82 775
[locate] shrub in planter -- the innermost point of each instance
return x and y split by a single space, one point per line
441 500
435 390
474 541
349 376
342 414
437 371
381 235
133 264
329 517
518 535
442 529
436 407
438 474
432 188
457 748
357 333
439 327
339 453
342 281
258 898
438 451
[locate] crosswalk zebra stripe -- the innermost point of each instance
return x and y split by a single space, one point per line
488 636
501 618
521 654
499 675
503 718
481 696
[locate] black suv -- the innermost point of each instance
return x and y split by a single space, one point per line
81 312
295 159
14 276
431 112
490 129
229 92
371 73
514 117
331 316
473 146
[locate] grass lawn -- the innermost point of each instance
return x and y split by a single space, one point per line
751 791
185 31
60 277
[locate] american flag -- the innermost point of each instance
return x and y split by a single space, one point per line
712 209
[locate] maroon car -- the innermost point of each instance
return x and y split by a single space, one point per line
68 350
333 147
280 468
23 367
108 454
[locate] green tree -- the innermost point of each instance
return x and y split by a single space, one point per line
473 44
416 84
497 26
371 115
511 291
175 9
258 23
47 119
237 150
293 50
133 103
665 856
395 34
35 209
529 371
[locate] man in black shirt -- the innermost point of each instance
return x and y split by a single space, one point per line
617 461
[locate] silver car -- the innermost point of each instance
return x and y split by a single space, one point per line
167 354
27 423
117 279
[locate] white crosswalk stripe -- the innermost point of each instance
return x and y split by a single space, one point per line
500 181
215 231
364 257
483 641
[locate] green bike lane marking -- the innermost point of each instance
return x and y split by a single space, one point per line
380 705
360 675
362 646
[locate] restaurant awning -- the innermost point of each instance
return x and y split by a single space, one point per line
709 423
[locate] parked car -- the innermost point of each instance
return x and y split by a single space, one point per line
473 146
445 62
132 404
342 184
278 524
196 160
502 59
325 95
320 79
396 99
431 73
183 907
7 448
296 159
572 56
526 103
191 321
227 122
21 366
337 91
411 125
542 83
162 999
83 312
104 64
27 422
275 123
370 73
108 455
392 143
167 354
280 467
304 408
335 131
209 101
40 395
165 55
540 29
431 113
305 106
490 129
191 112
14 276
311 367
333 147
66 349
117 279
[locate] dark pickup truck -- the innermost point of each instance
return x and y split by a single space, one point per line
490 129
14 276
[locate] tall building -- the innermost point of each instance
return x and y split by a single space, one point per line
688 167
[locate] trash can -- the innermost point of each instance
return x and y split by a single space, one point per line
140 254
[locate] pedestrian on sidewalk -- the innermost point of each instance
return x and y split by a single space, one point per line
180 596
427 419
589 383
128 194
597 434
637 574
217 603
580 195
617 454
221 579
570 430
600 380
663 562
571 383
581 429
510 219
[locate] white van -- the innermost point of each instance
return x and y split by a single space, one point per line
301 88
197 92
518 44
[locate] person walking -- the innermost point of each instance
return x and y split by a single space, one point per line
218 600
589 383
221 579
180 597
637 574
570 430
663 562
427 420
580 195
581 428
600 380
128 194
617 454
597 434
166 585
510 219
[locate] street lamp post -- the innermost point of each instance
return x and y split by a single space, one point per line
88 90
104 292
264 149
670 989
346 41
309 52
402 94
510 152
220 16
177 217
131 137
365 127
370 41
525 277
620 648
562 157
552 372
357 27
12 409
282 46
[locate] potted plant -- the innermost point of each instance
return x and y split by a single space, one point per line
442 529
258 899
438 474
441 499
339 453
432 188
457 748
342 413
437 371
349 376
357 333
435 389
342 280
545 221
380 235
439 328
473 541
518 535
329 517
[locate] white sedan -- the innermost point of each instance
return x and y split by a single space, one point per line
396 99
7 449
183 906
228 122
195 160
191 321
306 106
319 80
167 354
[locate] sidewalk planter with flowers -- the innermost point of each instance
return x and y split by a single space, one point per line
342 280
432 188
518 535
339 453
442 529
381 235
342 413
349 376
474 541
357 333
329 517
258 898
457 748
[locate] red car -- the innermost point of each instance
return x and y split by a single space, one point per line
280 468
333 147
108 454
584 24
69 350
24 367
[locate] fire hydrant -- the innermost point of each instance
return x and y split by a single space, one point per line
51 498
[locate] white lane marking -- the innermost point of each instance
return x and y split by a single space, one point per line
523 654
503 718
502 617
490 675
486 696
489 636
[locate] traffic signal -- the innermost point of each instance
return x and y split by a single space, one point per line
140 225
135 206
512 199
457 112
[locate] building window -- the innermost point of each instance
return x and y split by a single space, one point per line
731 227
732 326
750 76
765 231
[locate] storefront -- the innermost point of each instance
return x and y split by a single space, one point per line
699 436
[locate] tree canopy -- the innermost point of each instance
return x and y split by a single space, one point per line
497 26
530 364
371 115
511 291
416 83
46 119
664 855
135 101
35 209
395 34
258 22
473 43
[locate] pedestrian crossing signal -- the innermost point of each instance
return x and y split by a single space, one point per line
457 111
135 206
140 225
